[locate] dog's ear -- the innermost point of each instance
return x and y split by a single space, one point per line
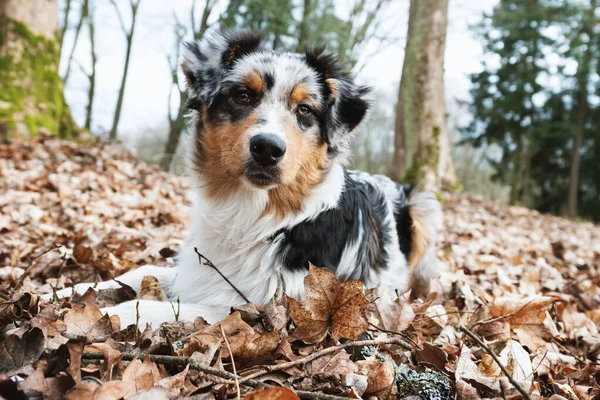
204 61
347 102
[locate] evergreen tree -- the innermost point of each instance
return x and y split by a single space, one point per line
536 107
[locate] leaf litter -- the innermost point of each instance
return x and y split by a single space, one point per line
525 284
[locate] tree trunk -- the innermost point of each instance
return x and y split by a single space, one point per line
92 75
582 105
303 28
83 15
129 37
31 92
421 134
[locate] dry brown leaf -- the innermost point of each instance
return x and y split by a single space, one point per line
151 289
23 307
141 375
82 254
388 311
177 385
252 346
332 364
74 368
527 313
17 353
80 320
328 302
112 357
277 393
433 356
380 376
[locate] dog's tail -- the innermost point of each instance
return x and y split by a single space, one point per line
426 219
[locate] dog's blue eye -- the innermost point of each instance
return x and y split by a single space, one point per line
303 109
242 96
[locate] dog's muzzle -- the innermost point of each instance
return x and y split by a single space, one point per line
267 151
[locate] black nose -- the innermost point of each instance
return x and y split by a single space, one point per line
267 150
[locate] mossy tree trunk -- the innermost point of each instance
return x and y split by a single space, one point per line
31 92
421 147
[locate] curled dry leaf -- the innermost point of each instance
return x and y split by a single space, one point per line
389 311
24 307
380 376
329 303
151 290
514 358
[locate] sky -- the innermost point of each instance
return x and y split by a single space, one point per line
148 84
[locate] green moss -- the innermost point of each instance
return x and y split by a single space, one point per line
31 91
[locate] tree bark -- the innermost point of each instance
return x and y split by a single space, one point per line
134 4
421 134
31 91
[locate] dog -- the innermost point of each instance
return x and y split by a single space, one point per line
270 136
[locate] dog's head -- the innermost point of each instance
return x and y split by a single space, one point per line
274 121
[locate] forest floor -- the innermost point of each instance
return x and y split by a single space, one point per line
517 284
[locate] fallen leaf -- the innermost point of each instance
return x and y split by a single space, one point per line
380 375
151 290
17 353
328 303
276 393
141 375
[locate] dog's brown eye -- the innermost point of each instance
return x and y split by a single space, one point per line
242 97
303 109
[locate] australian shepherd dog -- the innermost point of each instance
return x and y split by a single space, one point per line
269 137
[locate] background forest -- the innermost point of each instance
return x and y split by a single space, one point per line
506 92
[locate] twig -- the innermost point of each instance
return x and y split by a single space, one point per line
302 361
237 382
137 323
210 264
26 272
226 377
405 336
495 357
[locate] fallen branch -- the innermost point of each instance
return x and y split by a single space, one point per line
405 336
210 264
226 377
495 357
302 361
12 291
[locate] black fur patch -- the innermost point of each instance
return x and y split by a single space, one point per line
239 44
403 219
322 241
269 81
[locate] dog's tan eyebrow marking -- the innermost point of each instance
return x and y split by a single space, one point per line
254 81
301 95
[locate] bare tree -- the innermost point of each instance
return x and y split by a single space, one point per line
128 32
176 122
92 74
421 108
65 25
199 30
303 27
83 15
